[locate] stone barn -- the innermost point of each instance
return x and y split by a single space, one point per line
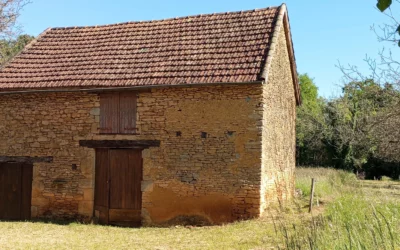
183 120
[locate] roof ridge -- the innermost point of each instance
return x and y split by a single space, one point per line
167 19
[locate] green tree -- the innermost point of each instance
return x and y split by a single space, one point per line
10 42
373 139
352 121
10 48
310 124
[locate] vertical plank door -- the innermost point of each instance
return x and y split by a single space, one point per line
101 194
27 176
125 187
15 191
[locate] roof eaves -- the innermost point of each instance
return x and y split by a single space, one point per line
4 91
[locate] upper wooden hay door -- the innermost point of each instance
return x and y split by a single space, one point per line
15 191
118 195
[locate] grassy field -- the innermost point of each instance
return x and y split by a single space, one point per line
352 215
355 214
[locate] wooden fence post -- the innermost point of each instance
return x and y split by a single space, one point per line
311 195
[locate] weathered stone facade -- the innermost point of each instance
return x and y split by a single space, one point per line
226 151
278 134
51 125
216 178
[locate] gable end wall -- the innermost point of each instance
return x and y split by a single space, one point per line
278 143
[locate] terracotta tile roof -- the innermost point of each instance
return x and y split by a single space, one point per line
214 48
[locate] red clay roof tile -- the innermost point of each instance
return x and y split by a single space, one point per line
214 48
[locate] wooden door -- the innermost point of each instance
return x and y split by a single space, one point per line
101 193
118 196
15 191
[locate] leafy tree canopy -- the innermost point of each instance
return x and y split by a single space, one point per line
310 123
10 48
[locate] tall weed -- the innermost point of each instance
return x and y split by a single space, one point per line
352 220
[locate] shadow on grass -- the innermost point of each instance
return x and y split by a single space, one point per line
59 222
176 223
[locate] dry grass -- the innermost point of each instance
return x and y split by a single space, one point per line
384 191
358 215
240 235
265 233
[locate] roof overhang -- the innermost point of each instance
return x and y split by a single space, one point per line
127 88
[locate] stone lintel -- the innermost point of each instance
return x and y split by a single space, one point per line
140 144
25 159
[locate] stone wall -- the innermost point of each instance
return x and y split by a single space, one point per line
278 136
216 178
51 125
207 167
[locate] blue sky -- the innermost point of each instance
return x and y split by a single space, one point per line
324 31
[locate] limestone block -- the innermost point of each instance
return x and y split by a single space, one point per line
87 167
95 111
85 208
40 202
37 189
147 186
95 128
254 211
146 219
34 211
86 183
88 194
146 153
42 139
